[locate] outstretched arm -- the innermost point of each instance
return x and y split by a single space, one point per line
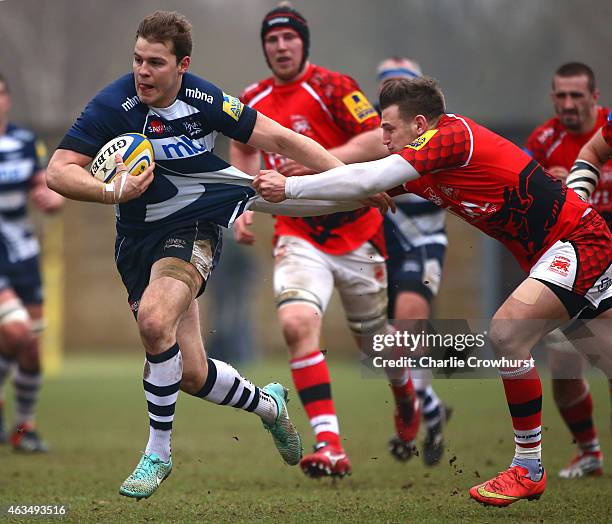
363 147
351 182
300 208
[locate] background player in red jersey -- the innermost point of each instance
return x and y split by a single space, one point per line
555 145
586 172
559 240
314 255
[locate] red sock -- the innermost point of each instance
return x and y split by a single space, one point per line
311 379
579 420
524 395
404 391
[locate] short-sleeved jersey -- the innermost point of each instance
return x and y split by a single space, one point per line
21 156
552 145
190 183
492 184
330 108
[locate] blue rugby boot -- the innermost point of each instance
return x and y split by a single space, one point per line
146 478
286 438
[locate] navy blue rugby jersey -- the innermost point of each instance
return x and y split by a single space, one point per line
190 183
21 156
416 222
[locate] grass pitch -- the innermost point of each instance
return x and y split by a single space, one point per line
226 468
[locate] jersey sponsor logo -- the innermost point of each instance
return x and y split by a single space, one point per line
560 265
232 106
41 152
300 124
199 95
156 127
180 147
420 142
359 106
14 175
130 103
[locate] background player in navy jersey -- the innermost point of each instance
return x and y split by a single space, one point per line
314 255
555 144
560 241
22 178
168 234
416 244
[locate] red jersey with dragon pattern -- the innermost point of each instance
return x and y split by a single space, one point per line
494 185
330 108
552 145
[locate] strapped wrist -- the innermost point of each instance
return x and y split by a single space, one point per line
108 193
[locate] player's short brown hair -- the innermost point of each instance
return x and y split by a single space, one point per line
416 96
3 81
168 26
576 69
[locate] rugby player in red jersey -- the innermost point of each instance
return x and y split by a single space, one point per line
559 240
314 255
555 145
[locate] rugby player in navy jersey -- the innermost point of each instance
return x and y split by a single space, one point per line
168 218
21 300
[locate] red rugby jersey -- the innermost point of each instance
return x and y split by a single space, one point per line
552 145
330 108
606 131
494 185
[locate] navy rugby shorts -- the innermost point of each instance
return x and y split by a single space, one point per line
23 277
418 270
198 243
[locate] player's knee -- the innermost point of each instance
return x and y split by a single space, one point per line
299 313
504 339
37 326
299 326
153 326
15 336
14 325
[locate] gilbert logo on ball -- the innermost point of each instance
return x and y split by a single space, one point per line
135 149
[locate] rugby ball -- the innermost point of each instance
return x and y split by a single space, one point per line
135 149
